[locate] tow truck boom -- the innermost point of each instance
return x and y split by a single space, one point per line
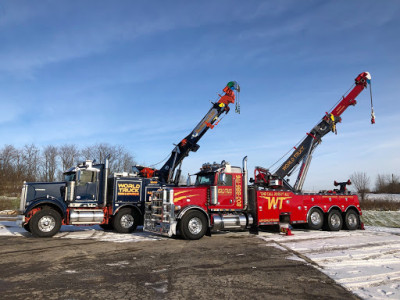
302 154
166 173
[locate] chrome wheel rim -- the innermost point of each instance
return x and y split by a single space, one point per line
46 223
335 221
127 221
315 218
195 225
352 220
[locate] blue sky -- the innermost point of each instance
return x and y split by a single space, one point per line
142 74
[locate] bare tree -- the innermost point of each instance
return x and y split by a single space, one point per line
69 155
7 155
127 161
49 159
380 183
31 160
29 164
89 153
18 165
394 185
387 184
361 181
120 159
7 169
20 168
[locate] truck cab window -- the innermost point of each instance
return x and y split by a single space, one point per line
70 176
205 179
87 176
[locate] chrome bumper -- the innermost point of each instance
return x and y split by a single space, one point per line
161 228
21 221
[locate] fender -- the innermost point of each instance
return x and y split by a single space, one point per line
127 206
191 207
315 206
351 207
52 201
334 206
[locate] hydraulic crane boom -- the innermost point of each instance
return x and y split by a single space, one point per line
166 173
303 153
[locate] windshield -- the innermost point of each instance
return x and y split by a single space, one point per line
69 176
205 179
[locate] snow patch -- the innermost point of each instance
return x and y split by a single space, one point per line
384 197
160 286
10 228
276 246
366 262
118 264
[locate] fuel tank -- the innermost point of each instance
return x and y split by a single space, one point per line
231 221
86 216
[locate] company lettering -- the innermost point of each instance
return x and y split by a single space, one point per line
293 158
273 202
128 189
225 191
238 191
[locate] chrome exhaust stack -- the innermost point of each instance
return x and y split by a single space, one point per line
106 172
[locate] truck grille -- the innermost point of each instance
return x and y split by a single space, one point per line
159 212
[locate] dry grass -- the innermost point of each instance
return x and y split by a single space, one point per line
9 203
385 205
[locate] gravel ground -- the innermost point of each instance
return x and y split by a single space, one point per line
232 265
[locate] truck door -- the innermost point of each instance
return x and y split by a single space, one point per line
86 188
225 190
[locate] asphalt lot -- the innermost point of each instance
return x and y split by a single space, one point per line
235 266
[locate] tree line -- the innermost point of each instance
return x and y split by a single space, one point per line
384 183
31 163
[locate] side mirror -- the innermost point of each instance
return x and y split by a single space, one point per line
188 181
222 179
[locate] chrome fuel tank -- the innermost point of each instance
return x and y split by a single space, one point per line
86 216
231 221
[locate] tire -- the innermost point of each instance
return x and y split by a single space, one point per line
351 220
26 227
126 220
335 221
106 226
193 225
45 223
315 219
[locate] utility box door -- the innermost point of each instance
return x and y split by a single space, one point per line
128 191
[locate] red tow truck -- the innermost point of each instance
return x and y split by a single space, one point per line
222 199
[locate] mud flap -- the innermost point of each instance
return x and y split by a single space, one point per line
254 230
208 232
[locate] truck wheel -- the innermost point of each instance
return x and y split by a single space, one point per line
26 227
315 219
45 223
125 221
351 220
335 220
193 225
